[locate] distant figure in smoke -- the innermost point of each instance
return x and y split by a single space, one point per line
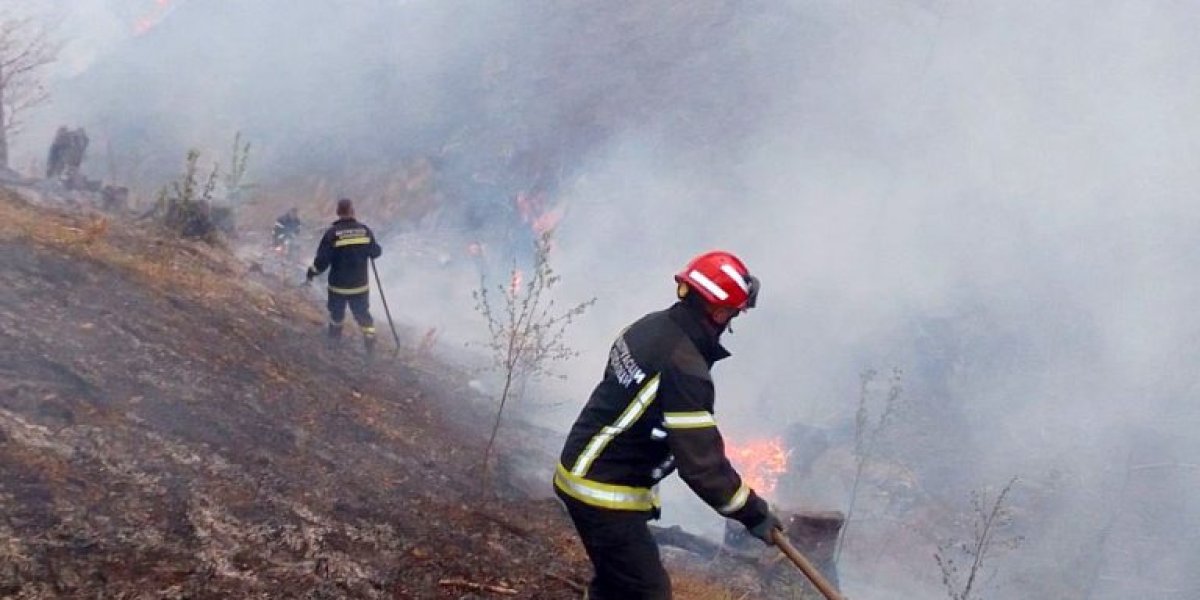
287 227
346 250
650 415
66 154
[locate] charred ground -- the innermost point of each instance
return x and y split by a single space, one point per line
170 426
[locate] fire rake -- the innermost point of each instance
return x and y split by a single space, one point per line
386 311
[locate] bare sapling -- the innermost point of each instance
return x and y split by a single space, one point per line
235 179
964 561
185 205
188 205
867 432
526 330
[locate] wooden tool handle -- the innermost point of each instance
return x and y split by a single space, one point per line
818 580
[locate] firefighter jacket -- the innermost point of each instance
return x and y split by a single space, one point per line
287 225
650 415
346 250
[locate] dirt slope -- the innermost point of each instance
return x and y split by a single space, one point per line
171 427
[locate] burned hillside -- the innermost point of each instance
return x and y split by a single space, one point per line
169 428
172 426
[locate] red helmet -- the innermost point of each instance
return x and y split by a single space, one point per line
722 279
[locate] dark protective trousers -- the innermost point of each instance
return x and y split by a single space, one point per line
623 553
360 306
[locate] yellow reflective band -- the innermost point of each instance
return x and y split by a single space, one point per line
368 330
350 291
351 241
632 413
737 502
689 420
604 495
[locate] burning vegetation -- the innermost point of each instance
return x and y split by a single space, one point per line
760 462
152 16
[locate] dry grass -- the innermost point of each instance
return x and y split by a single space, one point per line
698 588
161 261
390 193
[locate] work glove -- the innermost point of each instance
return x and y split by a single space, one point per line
763 530
310 274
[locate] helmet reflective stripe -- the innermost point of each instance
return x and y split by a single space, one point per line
708 284
735 276
721 278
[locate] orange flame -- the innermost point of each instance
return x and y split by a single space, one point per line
537 212
514 285
760 462
152 18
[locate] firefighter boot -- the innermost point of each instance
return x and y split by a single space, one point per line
333 338
368 333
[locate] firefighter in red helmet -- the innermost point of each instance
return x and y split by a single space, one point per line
652 415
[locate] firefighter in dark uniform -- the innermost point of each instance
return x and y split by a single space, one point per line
287 227
346 250
652 414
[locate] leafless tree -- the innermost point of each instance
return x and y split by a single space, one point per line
26 48
867 431
526 330
961 561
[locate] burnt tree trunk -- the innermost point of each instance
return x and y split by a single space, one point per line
815 534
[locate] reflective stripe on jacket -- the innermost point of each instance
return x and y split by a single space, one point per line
346 250
650 415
